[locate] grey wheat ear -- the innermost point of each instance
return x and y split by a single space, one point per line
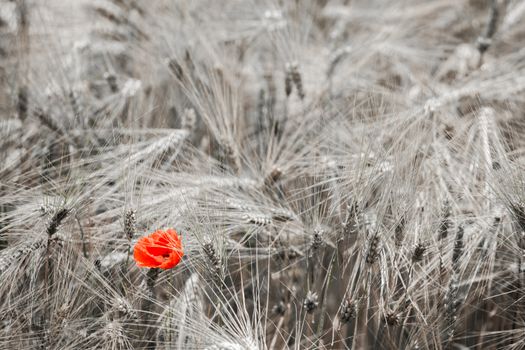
372 254
293 78
48 121
111 79
445 223
392 318
399 232
348 310
130 229
311 301
231 154
451 304
56 220
130 224
279 308
458 248
288 81
317 238
189 120
176 68
274 176
350 224
297 80
7 257
213 259
419 252
336 58
272 93
23 57
282 215
257 219
23 102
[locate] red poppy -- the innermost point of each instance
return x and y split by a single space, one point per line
162 249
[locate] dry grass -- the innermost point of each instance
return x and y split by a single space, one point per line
344 174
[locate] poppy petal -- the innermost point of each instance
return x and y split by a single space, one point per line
143 257
161 249
174 239
157 249
173 259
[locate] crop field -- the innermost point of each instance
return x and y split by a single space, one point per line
262 174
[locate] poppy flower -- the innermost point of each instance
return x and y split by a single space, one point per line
161 249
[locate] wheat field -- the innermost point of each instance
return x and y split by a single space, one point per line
342 174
